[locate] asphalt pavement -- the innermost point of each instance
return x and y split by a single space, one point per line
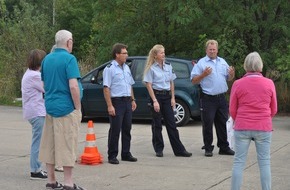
150 172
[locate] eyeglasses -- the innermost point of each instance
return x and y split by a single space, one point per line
124 53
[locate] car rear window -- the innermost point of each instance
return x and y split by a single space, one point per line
181 69
140 65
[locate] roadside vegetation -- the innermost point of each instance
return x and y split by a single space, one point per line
182 27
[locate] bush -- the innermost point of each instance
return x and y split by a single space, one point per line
283 98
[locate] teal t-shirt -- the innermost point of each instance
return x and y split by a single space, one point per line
56 70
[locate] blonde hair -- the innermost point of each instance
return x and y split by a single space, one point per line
151 57
211 42
253 62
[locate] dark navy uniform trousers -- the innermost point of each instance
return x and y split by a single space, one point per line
214 110
166 112
122 122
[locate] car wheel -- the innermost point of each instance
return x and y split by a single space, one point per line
182 114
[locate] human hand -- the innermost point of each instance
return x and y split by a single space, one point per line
207 71
156 106
111 110
134 105
173 102
231 71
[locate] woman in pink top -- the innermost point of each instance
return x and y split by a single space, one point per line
33 108
253 104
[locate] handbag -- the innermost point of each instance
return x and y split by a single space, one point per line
230 133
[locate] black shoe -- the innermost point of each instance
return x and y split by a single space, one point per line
208 153
159 154
42 175
55 186
129 158
184 154
227 152
75 187
113 161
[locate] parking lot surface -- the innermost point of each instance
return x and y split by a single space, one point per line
149 173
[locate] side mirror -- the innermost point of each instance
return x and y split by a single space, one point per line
93 80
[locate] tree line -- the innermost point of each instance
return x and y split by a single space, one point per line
182 26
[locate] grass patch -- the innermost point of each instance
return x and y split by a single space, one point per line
7 101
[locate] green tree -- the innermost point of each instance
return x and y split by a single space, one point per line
181 26
247 26
141 24
24 30
76 16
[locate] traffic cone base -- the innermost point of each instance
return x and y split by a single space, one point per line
91 153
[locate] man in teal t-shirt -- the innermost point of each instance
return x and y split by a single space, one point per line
60 75
59 67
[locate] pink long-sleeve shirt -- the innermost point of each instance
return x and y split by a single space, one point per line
253 102
32 95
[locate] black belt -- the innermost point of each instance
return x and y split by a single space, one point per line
162 92
123 98
213 96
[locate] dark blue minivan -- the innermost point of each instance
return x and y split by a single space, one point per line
186 94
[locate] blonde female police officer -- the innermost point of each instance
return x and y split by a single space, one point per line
158 77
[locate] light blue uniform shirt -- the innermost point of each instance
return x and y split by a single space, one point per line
216 82
118 79
160 78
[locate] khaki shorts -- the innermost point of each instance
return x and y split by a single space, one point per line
59 142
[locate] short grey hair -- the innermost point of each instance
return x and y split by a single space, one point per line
253 62
61 37
53 48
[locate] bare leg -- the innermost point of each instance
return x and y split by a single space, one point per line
68 176
50 173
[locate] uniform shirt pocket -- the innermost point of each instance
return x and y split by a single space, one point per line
222 70
128 76
167 75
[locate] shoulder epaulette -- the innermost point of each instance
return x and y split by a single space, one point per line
109 65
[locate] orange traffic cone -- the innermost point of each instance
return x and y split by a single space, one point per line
91 154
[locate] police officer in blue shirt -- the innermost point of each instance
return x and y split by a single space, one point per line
158 77
212 73
120 100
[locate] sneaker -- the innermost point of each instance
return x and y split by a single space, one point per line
75 187
208 150
208 153
55 185
58 169
42 175
159 154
